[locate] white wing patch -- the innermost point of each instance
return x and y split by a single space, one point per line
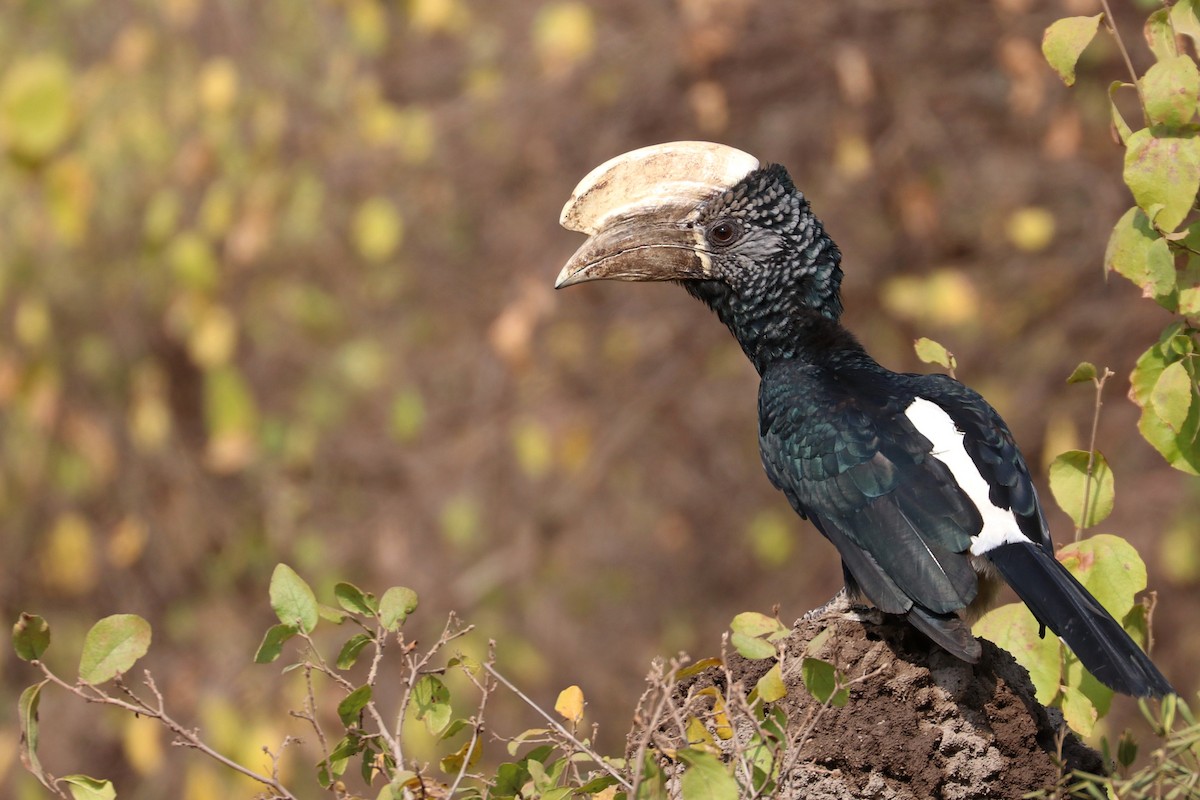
999 524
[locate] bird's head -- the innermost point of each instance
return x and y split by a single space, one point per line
737 234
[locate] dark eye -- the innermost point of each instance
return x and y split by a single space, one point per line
724 232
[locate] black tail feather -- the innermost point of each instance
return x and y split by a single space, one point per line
947 630
1059 602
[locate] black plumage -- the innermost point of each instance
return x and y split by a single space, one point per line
915 479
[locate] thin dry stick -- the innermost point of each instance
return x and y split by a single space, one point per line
485 690
599 759
309 714
415 667
187 737
1112 28
392 743
1091 464
664 694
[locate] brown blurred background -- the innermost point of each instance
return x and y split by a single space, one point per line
275 285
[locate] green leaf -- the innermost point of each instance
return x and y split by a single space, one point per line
1172 395
355 600
1185 21
378 229
1078 711
654 780
84 788
705 778
1109 568
395 606
466 757
598 784
1069 482
112 646
353 704
350 650
1118 121
770 687
1065 40
752 623
752 647
453 728
1137 251
510 779
331 614
31 636
1159 35
1127 750
293 599
821 680
1098 696
1179 448
27 715
1013 628
272 643
432 700
1172 90
696 667
1086 371
35 106
932 352
1163 170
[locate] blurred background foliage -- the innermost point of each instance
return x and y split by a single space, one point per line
275 286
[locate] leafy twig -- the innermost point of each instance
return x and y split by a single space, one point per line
562 731
187 737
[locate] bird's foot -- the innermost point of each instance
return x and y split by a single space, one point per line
842 605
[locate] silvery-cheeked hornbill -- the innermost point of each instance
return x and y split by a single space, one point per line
914 478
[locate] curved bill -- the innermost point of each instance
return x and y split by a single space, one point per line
638 209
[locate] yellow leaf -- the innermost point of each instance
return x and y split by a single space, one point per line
232 418
852 157
142 743
719 719
133 47
32 322
575 448
70 192
363 363
570 704
698 736
563 35
534 448
68 560
218 85
149 418
770 536
126 542
216 210
214 337
192 261
415 135
368 25
203 782
947 297
1031 229
460 521
437 16
377 229
408 415
36 111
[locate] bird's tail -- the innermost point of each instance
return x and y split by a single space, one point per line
1060 602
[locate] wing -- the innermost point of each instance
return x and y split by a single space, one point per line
847 457
994 452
